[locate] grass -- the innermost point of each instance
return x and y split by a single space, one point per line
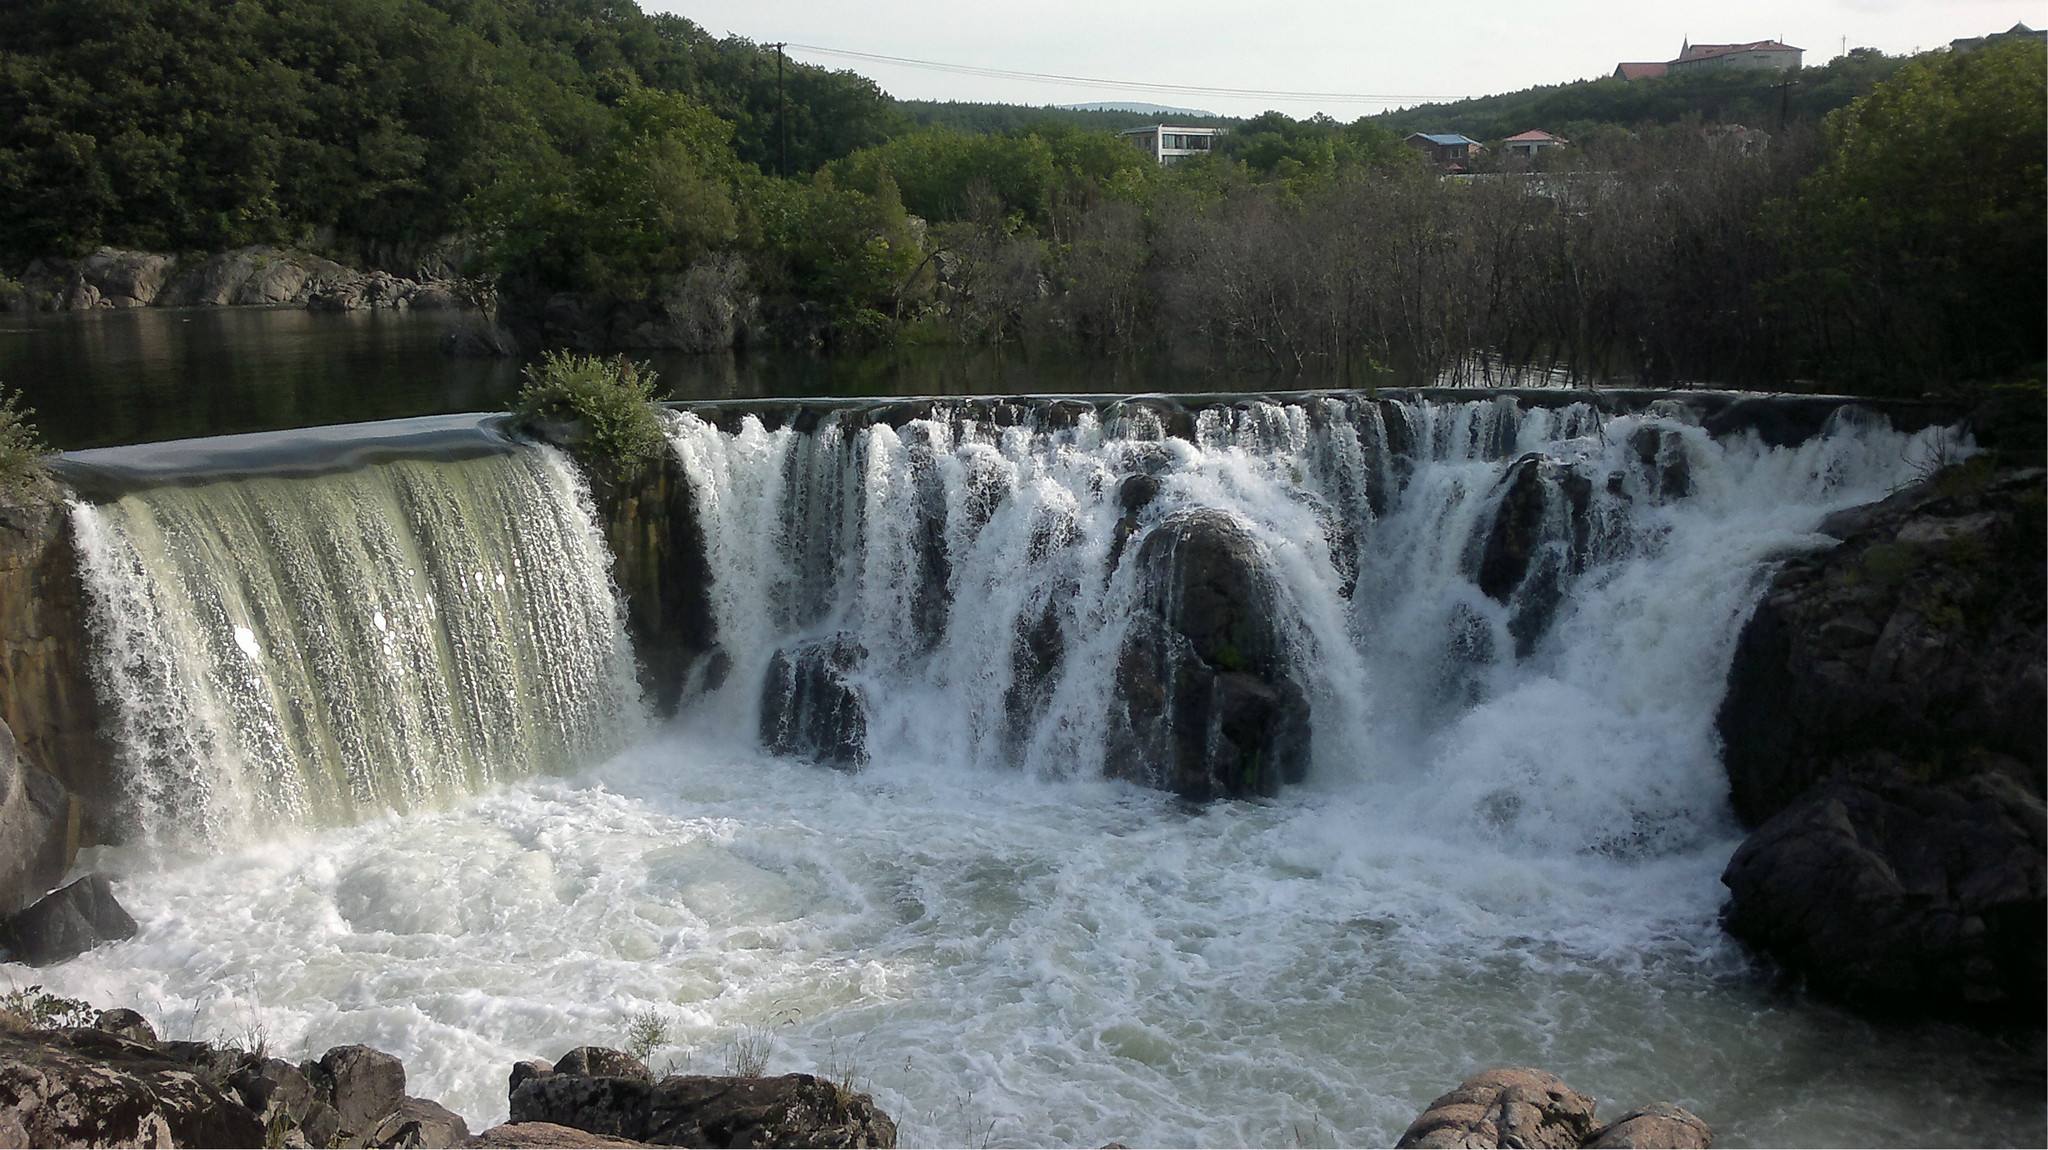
747 1051
611 398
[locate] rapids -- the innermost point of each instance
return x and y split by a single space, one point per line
1507 849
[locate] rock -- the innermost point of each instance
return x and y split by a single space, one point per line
67 923
1666 468
47 696
544 1134
1918 646
529 1068
128 1024
1658 1126
1207 704
1903 895
37 840
600 1062
363 1085
692 1110
1535 543
1513 1106
811 707
90 1088
278 1092
419 1124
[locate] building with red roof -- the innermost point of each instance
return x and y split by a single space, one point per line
1760 55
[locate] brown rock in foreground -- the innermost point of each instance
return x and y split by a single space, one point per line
542 1134
1522 1107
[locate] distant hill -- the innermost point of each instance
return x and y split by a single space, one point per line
1137 107
1751 98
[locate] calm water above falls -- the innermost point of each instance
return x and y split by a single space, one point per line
1497 858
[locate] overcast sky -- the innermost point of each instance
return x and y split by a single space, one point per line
1409 51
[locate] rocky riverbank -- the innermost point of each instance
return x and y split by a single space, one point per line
73 1077
1883 733
259 276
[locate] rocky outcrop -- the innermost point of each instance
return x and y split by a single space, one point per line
1528 1108
46 692
92 1088
1207 704
1883 724
1534 544
1915 648
38 839
698 1110
810 705
257 276
657 547
66 923
520 1135
1903 895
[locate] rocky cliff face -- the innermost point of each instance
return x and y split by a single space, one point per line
1884 731
252 276
658 564
46 691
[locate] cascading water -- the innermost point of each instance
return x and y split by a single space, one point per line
281 650
1454 582
1506 849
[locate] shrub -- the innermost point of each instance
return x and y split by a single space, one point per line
33 1008
611 398
21 449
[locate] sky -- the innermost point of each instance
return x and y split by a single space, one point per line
1399 52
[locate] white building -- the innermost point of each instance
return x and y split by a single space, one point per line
1171 142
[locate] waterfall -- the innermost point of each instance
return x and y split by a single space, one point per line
1459 584
279 650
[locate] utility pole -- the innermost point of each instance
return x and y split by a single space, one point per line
781 108
1784 88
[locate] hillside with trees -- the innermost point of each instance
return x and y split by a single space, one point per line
616 179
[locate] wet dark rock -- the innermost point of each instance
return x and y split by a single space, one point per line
36 844
1136 492
1918 646
1902 895
810 706
67 923
1034 655
278 1092
363 1085
1207 704
91 1088
419 1124
599 1062
530 1068
688 1110
128 1024
1535 543
1511 1106
1661 453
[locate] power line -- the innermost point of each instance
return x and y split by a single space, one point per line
1125 85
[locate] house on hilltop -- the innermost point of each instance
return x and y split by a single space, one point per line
1525 145
1758 55
2018 31
1171 143
1448 150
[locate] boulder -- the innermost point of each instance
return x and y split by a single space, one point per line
1207 703
67 923
811 707
1536 541
695 1110
127 278
1667 470
1916 646
419 1124
127 1024
1658 1126
1511 1106
36 836
1903 895
364 1086
90 1088
521 1071
599 1062
543 1134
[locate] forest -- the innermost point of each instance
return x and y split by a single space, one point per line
1878 225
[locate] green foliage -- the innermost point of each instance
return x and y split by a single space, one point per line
611 398
33 1008
21 449
1920 239
646 1032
